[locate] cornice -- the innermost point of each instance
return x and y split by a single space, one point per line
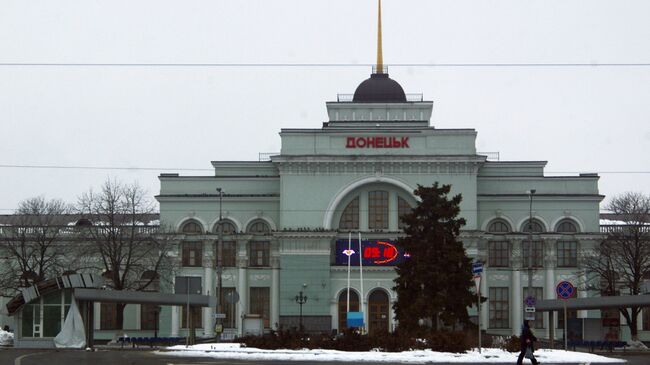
326 165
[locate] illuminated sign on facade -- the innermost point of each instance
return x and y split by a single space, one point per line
377 142
374 252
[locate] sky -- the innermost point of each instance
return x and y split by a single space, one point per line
167 86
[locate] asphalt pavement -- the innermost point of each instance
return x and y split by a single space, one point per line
10 356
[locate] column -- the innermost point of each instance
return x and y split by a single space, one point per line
516 297
98 315
208 289
242 289
549 285
175 321
275 292
516 302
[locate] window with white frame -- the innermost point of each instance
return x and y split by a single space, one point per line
499 307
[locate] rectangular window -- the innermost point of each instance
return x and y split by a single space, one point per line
499 307
259 254
149 316
229 254
192 253
567 254
378 210
31 320
538 293
538 253
44 317
228 307
646 318
197 316
108 316
149 312
260 304
498 254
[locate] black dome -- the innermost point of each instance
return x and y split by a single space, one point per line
379 88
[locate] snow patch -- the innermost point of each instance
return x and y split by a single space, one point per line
6 338
237 352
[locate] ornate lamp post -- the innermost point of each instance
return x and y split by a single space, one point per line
531 192
301 299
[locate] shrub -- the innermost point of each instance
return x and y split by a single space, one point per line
446 341
511 344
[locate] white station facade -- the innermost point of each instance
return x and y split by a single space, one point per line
287 220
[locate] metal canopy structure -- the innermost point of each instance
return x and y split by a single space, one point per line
131 297
592 303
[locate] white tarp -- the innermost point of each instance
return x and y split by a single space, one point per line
6 338
72 335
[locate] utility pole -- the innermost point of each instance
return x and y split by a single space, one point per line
219 262
531 192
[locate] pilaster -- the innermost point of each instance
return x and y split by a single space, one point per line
175 321
275 291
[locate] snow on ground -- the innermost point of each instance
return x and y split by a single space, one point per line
236 352
6 338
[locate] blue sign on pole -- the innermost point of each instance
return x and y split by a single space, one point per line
355 319
477 268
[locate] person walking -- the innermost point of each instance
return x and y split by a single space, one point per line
527 338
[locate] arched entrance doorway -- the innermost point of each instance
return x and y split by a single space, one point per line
378 312
343 307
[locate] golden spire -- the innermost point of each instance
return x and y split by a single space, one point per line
380 57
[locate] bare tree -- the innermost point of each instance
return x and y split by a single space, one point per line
622 262
33 244
130 252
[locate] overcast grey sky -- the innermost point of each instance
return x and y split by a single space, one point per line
579 119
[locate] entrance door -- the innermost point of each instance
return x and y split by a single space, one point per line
379 312
343 307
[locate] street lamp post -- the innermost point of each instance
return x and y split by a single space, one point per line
531 192
219 263
301 299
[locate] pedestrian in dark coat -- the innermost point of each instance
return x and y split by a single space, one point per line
527 339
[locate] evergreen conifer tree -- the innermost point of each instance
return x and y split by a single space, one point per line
434 283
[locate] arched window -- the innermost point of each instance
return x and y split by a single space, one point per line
343 307
403 208
259 227
192 227
227 227
350 216
535 226
499 226
566 226
378 312
378 209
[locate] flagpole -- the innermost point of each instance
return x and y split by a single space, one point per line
361 307
349 257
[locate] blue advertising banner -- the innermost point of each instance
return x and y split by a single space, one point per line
374 253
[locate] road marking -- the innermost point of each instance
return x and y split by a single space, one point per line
19 359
